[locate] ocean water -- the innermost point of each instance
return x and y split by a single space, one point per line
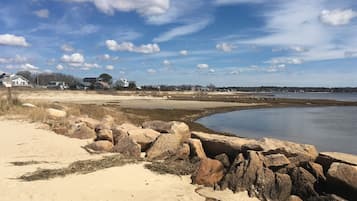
328 128
326 96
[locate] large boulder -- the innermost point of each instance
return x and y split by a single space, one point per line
215 144
164 147
342 178
54 113
122 130
145 137
173 127
296 153
90 122
303 183
183 152
101 145
276 160
105 134
196 148
327 158
209 172
223 158
159 126
181 129
107 122
248 173
127 146
81 131
316 170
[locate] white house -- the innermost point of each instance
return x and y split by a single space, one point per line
123 83
17 80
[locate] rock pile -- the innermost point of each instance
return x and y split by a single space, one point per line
268 169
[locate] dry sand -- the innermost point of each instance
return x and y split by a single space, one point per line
129 101
22 141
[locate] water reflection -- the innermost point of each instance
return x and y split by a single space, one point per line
329 128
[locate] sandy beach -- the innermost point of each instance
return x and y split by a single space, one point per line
25 142
125 101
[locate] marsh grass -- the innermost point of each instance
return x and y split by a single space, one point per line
79 167
24 163
177 167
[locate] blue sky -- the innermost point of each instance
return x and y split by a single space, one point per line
223 42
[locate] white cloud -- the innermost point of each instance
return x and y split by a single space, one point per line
12 40
337 17
29 67
286 60
350 54
143 7
212 70
186 29
67 48
90 65
202 66
298 23
184 52
43 13
276 68
130 47
228 2
225 47
109 67
75 58
151 71
166 62
13 60
59 67
107 57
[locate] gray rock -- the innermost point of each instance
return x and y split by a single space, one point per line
276 160
248 173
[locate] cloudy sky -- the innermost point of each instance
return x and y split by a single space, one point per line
224 42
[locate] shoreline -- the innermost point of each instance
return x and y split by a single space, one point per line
84 117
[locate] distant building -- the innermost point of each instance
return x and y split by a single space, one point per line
57 85
16 80
101 85
122 83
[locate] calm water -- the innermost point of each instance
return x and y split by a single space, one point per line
326 96
328 128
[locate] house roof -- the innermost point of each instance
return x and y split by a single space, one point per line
13 77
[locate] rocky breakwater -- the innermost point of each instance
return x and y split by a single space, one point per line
268 169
